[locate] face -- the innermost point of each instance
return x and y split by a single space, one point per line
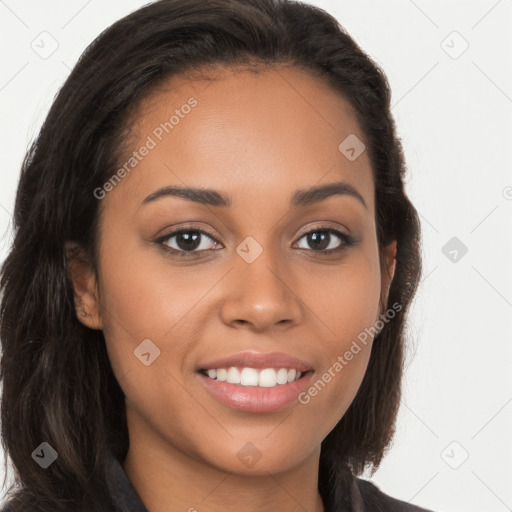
181 283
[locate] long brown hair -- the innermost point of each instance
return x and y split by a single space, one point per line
58 384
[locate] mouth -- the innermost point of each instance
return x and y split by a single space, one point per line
252 390
255 377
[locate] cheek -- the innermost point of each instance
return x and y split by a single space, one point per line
139 301
345 299
144 307
336 382
347 304
141 295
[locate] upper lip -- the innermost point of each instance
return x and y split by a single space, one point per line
258 360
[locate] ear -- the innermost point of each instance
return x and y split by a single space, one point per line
388 272
83 278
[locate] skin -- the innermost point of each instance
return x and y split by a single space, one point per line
257 138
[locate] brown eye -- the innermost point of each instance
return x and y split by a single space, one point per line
188 240
322 240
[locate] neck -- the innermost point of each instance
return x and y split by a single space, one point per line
169 480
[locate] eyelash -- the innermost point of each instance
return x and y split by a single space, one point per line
347 240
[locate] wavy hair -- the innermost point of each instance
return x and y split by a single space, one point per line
58 384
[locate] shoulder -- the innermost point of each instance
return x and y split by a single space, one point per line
375 500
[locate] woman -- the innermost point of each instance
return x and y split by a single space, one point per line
205 302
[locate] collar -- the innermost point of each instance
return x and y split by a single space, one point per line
122 493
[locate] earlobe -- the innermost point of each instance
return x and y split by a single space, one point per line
83 279
388 272
391 259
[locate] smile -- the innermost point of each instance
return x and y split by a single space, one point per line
265 378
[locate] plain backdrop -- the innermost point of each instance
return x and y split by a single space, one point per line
448 63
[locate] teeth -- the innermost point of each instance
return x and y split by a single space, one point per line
248 377
266 378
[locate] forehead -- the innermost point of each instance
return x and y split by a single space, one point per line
234 129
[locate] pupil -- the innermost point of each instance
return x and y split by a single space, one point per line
188 241
315 237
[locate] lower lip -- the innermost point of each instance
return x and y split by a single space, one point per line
255 398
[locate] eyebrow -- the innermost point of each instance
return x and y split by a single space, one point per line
215 198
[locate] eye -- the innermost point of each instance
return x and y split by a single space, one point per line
188 240
320 240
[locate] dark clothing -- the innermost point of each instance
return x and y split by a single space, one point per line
365 496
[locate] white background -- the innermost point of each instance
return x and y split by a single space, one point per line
454 117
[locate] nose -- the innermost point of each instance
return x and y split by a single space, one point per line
261 294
